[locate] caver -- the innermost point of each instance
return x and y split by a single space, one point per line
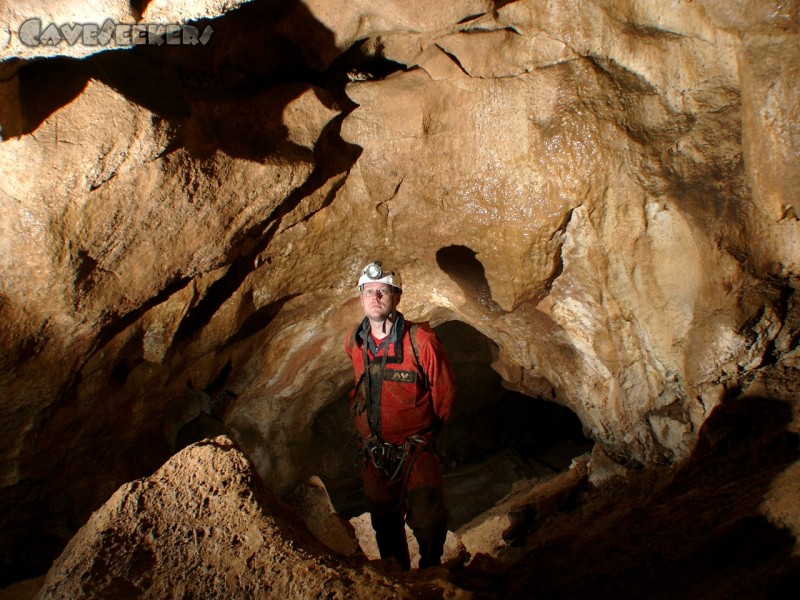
403 396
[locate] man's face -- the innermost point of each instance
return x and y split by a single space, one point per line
378 300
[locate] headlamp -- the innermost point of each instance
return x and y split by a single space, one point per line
373 270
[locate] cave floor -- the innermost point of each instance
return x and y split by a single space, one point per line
723 525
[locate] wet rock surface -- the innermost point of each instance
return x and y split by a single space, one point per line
605 191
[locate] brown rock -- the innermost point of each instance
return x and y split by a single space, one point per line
522 510
607 193
201 526
311 500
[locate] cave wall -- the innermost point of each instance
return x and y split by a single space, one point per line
607 190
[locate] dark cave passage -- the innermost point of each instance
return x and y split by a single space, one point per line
497 436
490 418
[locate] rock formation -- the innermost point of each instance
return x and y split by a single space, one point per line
606 191
203 527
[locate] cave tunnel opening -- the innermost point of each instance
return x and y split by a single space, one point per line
496 436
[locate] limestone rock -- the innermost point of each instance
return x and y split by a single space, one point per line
201 526
495 531
311 500
606 192
603 470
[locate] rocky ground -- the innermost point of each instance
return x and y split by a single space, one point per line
725 524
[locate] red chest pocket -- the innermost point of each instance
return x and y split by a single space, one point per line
400 376
401 389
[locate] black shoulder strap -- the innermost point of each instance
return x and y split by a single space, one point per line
412 333
353 339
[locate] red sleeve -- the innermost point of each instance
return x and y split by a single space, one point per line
437 368
348 345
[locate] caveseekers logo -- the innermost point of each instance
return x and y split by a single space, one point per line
110 33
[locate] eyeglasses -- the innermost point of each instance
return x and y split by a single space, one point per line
381 292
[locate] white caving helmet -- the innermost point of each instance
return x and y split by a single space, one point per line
373 273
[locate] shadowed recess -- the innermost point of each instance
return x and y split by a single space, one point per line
463 267
258 319
44 87
138 7
701 535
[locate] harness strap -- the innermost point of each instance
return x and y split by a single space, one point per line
393 462
373 395
412 333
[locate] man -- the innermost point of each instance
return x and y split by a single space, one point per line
403 397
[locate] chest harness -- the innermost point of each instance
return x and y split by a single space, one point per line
393 462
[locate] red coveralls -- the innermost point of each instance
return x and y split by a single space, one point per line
407 404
